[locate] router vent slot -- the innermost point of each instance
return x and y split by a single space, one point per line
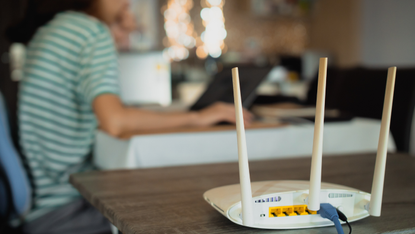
217 207
339 195
269 199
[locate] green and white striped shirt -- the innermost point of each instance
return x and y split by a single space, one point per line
70 61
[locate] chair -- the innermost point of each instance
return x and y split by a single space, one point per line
15 190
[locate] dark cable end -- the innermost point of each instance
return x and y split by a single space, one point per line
342 217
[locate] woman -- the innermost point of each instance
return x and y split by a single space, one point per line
122 29
70 88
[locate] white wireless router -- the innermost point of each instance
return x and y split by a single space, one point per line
294 204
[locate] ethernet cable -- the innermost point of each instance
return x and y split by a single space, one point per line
329 212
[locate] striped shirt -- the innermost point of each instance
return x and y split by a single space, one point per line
70 61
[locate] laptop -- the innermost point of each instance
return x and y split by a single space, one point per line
221 89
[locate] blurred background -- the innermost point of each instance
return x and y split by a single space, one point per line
176 47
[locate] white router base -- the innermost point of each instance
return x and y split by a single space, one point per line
269 197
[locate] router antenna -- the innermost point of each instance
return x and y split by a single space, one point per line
379 175
244 178
316 160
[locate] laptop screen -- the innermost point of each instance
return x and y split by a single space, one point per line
220 89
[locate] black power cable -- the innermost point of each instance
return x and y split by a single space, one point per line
343 218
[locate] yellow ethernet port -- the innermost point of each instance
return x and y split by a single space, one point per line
282 211
301 209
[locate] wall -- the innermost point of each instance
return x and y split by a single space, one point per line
388 33
269 35
333 28
273 35
373 33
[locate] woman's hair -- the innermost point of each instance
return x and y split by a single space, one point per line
39 12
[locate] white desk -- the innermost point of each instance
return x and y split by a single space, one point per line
184 148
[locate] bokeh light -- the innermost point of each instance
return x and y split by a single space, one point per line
215 32
179 29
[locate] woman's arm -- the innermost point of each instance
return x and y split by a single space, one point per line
116 119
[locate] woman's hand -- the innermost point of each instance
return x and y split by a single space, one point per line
220 112
117 119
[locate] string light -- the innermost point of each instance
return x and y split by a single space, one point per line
179 29
215 32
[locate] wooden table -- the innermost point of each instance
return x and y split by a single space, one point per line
169 200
